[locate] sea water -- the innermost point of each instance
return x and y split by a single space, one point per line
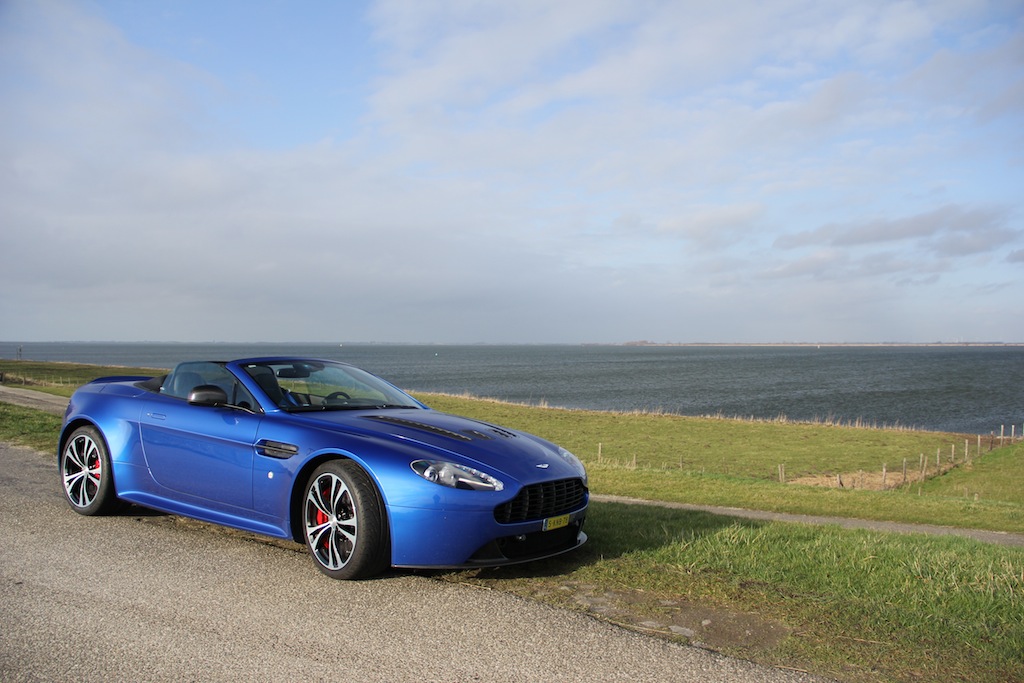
969 389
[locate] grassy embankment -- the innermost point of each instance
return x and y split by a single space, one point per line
857 605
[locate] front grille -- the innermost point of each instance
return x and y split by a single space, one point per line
539 501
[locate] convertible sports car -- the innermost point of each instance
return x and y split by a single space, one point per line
326 454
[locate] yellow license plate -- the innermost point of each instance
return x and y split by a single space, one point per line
556 522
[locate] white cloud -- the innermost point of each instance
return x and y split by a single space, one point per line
948 230
529 171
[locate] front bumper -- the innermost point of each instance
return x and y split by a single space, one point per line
441 539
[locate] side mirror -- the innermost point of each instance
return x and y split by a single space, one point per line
208 395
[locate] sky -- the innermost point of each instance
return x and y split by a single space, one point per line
452 171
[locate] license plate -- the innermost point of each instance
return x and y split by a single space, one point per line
556 522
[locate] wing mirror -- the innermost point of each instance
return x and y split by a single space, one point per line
208 395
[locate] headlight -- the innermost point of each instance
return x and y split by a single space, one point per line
575 462
456 476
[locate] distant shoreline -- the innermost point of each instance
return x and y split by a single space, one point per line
820 344
638 343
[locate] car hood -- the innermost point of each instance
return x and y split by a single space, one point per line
526 457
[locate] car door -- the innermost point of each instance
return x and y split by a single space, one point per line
202 452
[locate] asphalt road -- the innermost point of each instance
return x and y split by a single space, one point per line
140 596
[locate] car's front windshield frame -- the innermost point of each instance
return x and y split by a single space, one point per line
298 385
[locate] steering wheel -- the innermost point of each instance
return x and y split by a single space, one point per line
336 395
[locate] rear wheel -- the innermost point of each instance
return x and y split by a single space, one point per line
87 480
343 521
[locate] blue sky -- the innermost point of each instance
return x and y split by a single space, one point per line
455 171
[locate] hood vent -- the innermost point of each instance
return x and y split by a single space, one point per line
412 424
502 432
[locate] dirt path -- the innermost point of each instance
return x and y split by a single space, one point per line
997 537
57 404
33 399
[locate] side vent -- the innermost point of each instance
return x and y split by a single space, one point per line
276 449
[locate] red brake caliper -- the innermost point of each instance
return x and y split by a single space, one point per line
91 463
321 518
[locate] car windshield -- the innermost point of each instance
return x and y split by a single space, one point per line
298 385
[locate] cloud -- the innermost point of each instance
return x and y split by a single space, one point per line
526 171
717 226
946 231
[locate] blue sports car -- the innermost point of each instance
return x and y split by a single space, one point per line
328 455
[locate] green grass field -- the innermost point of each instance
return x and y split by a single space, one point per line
849 604
736 463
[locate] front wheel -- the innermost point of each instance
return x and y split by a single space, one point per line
87 480
343 521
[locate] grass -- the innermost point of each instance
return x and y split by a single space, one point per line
903 505
61 379
735 463
997 476
855 605
28 427
725 446
851 604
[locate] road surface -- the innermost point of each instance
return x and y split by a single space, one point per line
142 596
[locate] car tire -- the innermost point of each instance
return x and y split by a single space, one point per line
86 476
343 521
